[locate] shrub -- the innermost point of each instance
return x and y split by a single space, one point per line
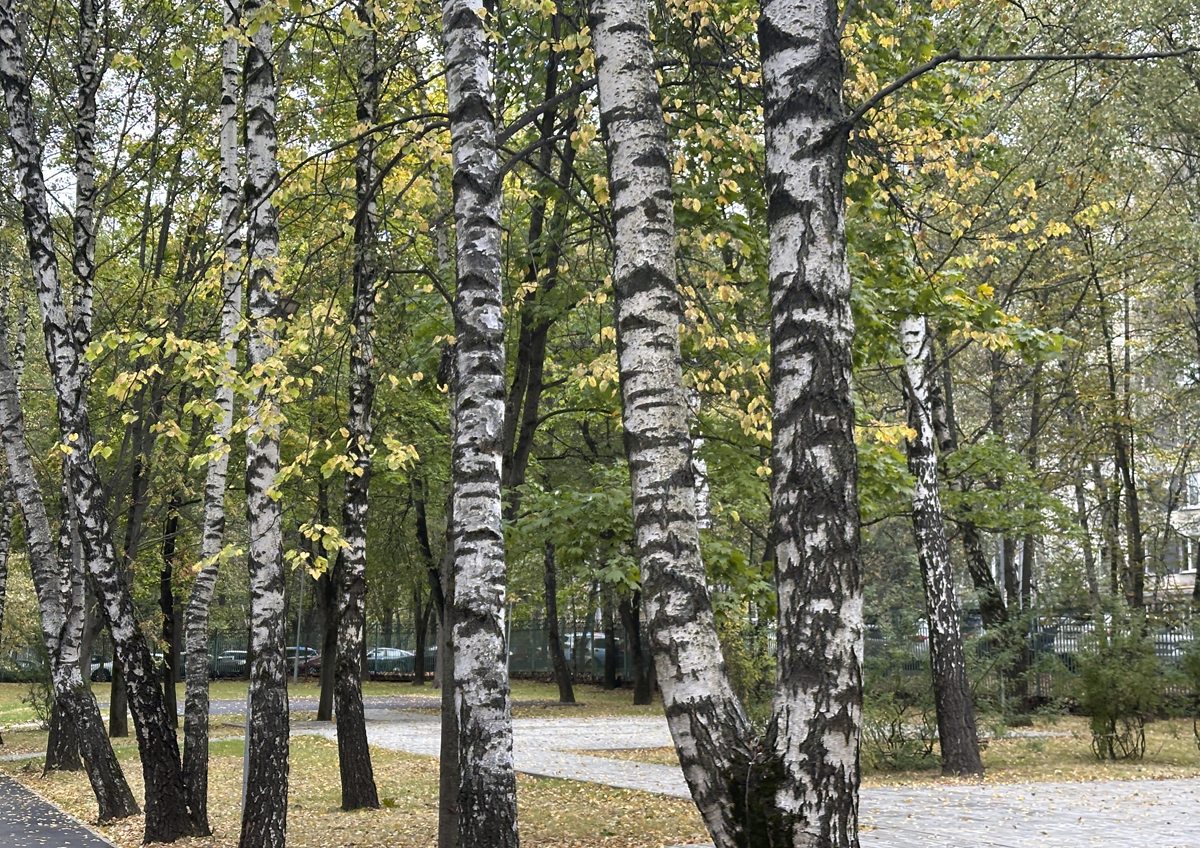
1120 687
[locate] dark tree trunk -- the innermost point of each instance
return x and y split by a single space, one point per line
118 702
610 644
328 599
62 745
421 636
350 569
562 673
166 605
992 608
643 671
951 689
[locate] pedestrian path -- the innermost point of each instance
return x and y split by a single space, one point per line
1129 814
26 821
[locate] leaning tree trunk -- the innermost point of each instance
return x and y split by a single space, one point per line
991 600
350 572
711 732
166 812
264 813
951 688
212 534
815 727
61 615
487 783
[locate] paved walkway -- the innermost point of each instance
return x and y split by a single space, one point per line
26 821
1129 814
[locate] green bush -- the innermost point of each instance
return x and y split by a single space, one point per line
750 665
1120 687
899 721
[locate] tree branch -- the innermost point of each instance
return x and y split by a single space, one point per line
957 55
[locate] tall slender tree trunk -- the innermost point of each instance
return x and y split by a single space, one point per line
212 535
61 611
167 607
711 732
264 813
558 661
354 758
196 625
487 785
991 599
643 672
166 812
955 707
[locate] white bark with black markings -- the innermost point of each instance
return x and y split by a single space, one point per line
166 812
814 731
264 814
487 787
350 570
212 534
955 707
710 729
60 600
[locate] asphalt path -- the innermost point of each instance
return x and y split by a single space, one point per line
26 821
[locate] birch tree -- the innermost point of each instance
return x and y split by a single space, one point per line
798 784
60 599
166 812
708 724
354 757
955 708
487 787
212 534
264 814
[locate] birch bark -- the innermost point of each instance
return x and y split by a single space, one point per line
814 731
264 814
350 571
166 812
711 732
62 624
487 787
212 536
955 707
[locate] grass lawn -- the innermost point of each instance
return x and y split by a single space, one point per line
553 813
1170 752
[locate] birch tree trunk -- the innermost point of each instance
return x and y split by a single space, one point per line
815 727
711 732
487 786
951 690
350 571
264 814
166 811
59 623
212 534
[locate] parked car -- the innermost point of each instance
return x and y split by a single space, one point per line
229 664
389 660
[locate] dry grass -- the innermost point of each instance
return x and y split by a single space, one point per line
553 813
1171 752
